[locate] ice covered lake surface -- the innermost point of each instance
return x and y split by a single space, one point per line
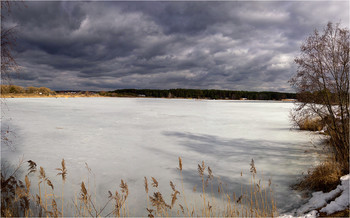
129 138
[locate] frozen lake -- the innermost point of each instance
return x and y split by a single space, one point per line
129 138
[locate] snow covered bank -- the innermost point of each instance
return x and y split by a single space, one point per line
331 202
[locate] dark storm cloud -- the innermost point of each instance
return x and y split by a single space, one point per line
109 45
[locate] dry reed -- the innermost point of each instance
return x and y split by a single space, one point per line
18 200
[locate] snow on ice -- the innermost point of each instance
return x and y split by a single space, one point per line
129 138
331 202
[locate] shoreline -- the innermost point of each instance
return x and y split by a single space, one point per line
101 96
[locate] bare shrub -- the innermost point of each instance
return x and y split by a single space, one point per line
322 85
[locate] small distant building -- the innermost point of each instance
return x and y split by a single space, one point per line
243 99
289 99
142 95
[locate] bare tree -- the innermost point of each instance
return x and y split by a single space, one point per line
8 40
322 85
8 62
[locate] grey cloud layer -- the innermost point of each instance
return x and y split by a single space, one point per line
109 45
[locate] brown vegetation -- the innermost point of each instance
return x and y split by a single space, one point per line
18 90
324 177
17 198
309 123
66 95
13 91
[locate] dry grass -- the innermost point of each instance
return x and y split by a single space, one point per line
324 177
25 95
253 201
18 199
310 124
336 130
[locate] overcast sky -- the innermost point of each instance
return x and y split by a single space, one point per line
163 45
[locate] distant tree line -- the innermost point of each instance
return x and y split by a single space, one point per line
199 94
161 93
